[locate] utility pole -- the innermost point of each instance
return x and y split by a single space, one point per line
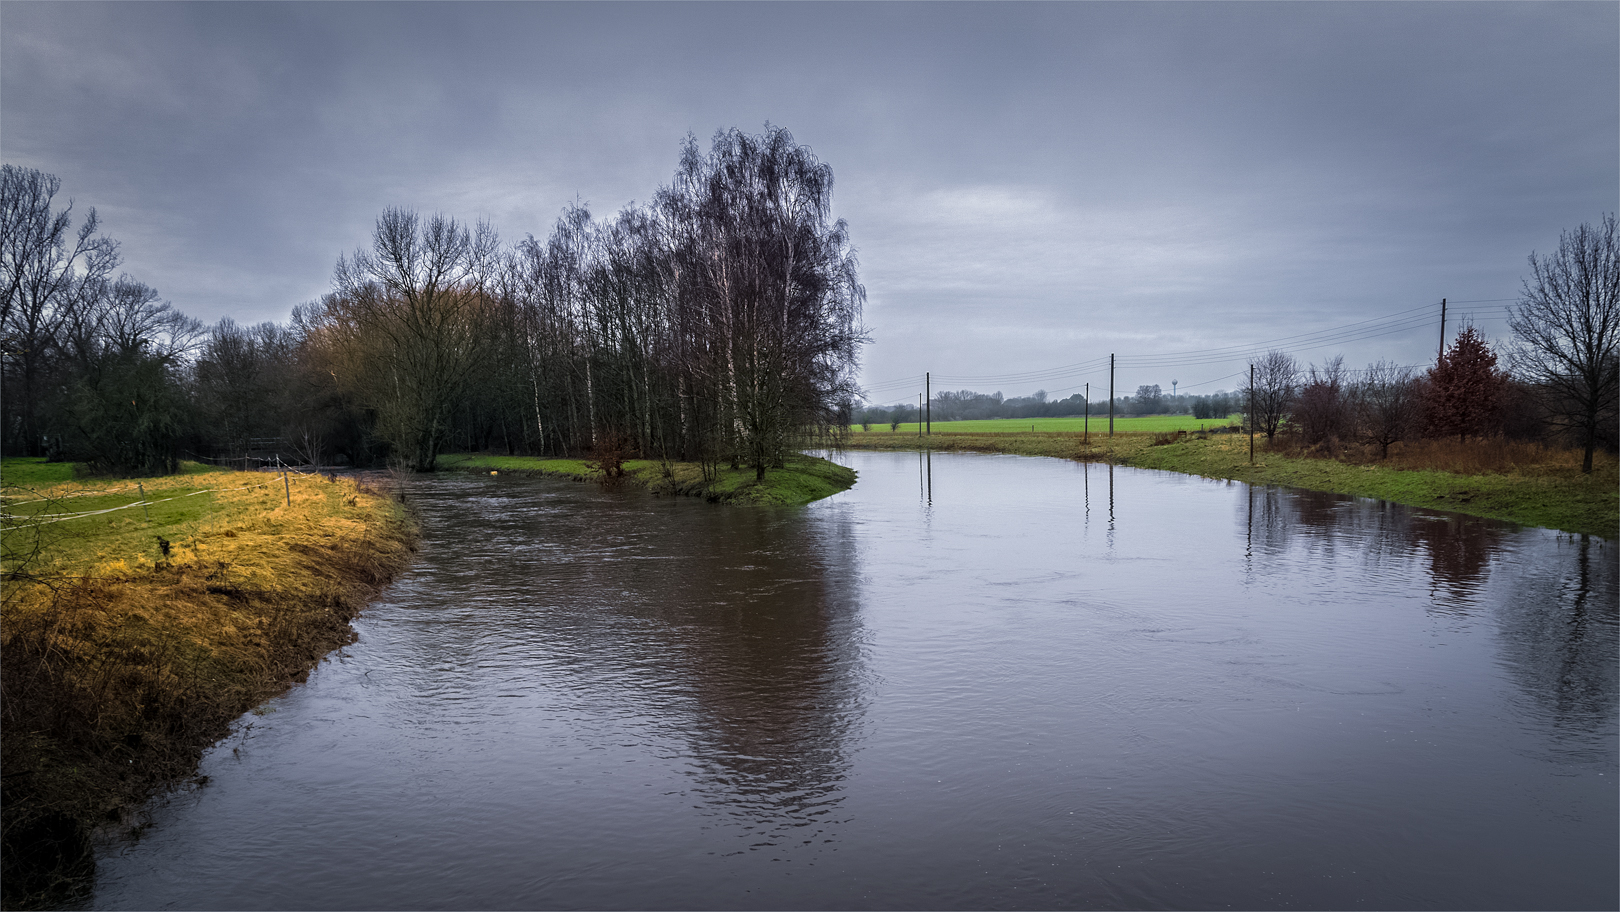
1110 394
928 391
1442 330
919 415
1251 413
1085 434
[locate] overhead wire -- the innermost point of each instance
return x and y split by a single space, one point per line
1372 328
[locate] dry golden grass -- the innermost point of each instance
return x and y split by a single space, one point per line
128 644
1494 456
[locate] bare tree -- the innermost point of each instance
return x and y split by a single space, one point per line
126 353
1149 400
44 268
1270 398
1322 411
1568 324
1387 404
408 319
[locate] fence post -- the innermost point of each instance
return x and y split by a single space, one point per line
144 512
284 482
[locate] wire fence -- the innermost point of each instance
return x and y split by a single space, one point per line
12 520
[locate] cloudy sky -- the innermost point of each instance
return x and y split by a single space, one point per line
1030 187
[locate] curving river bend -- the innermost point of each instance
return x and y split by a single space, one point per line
968 682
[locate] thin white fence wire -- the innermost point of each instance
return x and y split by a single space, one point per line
12 520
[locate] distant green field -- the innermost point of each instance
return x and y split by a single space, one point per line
1150 424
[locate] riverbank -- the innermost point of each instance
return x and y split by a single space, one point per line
141 617
800 480
1524 484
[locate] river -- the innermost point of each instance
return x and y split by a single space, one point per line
968 682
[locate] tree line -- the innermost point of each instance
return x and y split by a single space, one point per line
719 323
967 405
1560 378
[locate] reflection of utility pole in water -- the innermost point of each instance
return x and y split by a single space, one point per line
929 457
1085 468
1110 506
1248 547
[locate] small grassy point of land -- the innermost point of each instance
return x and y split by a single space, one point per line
800 480
1522 483
134 631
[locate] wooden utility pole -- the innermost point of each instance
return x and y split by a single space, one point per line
1110 394
1442 353
928 391
919 415
1085 434
1252 416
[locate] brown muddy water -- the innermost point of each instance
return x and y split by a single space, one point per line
968 682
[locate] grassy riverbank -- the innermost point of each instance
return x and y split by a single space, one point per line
800 480
1521 483
141 617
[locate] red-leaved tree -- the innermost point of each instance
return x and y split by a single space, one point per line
1465 388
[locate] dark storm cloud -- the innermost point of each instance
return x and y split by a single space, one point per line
1030 185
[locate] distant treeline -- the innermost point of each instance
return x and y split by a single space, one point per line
964 405
718 323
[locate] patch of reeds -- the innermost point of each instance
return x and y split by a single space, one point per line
1494 455
129 644
1471 456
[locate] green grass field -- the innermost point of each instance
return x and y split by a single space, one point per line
1148 424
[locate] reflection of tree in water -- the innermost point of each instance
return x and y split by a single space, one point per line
732 631
1382 535
769 649
1279 519
1558 627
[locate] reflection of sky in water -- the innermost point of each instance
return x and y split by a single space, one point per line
967 682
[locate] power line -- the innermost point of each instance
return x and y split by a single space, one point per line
1372 328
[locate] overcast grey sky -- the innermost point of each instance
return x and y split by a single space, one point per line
1029 186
